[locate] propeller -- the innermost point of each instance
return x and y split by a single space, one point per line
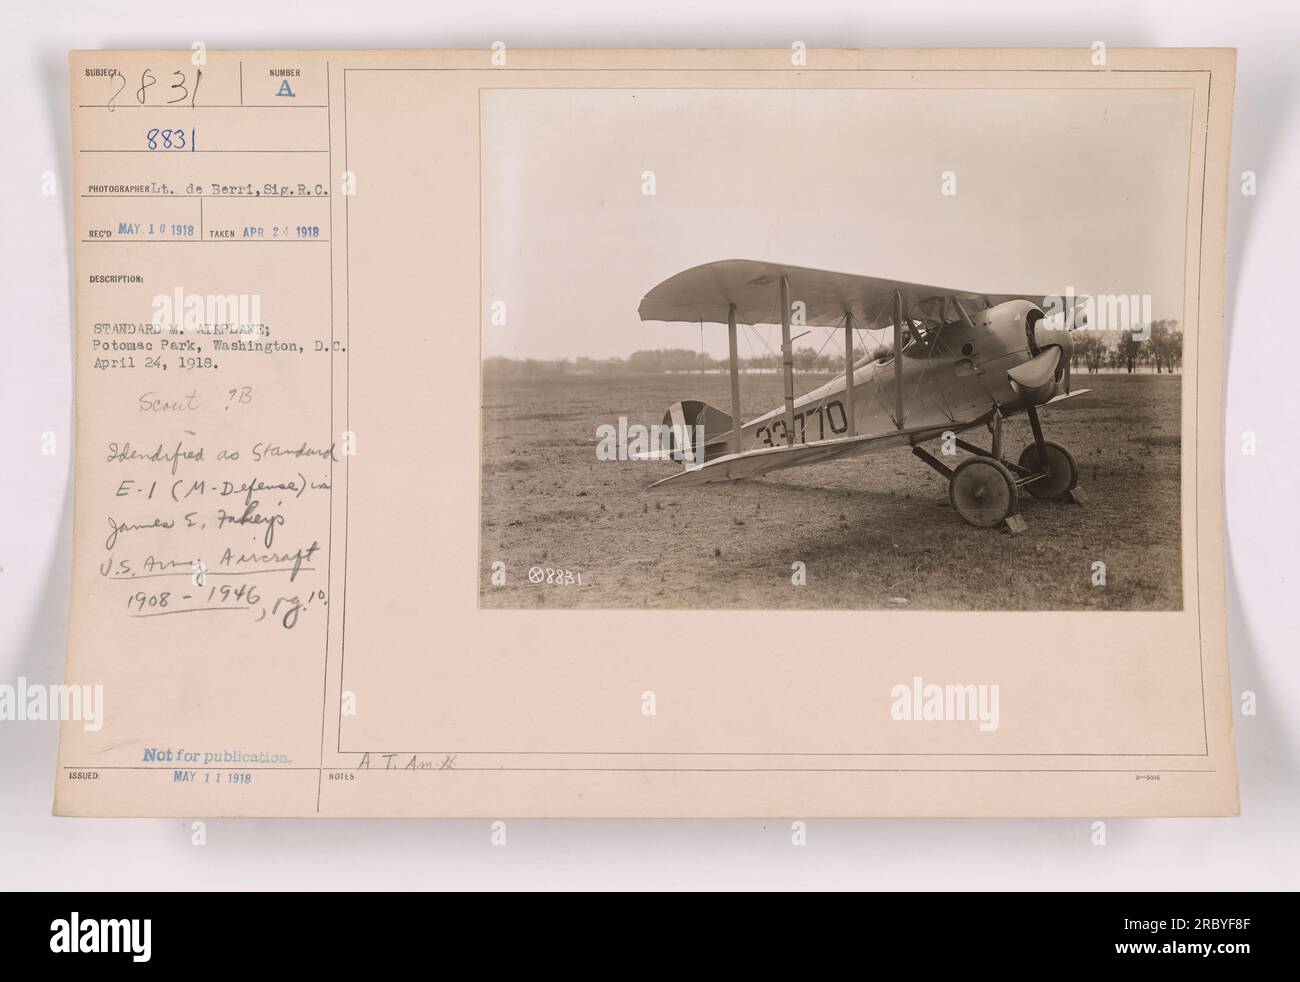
1038 370
1023 376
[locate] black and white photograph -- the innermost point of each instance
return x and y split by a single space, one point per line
887 348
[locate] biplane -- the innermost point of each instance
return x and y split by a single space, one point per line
959 360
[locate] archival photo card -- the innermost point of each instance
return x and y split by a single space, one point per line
649 433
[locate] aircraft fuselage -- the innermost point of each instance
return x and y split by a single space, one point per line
950 382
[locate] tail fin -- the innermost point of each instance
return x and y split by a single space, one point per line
691 417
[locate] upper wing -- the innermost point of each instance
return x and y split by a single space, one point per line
752 463
704 293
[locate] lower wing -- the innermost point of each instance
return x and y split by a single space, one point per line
753 463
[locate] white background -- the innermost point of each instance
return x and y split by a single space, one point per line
1259 850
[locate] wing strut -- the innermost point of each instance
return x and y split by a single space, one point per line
848 372
787 360
898 359
735 379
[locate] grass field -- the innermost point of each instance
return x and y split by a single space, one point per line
873 532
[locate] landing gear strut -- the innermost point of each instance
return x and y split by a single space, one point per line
985 488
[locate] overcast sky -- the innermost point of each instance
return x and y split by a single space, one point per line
1055 188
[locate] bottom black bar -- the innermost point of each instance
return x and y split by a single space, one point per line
143 931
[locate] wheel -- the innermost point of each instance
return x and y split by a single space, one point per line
1064 471
983 492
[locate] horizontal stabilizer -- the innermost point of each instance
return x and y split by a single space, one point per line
693 413
688 426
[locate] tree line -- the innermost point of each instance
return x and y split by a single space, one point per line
1094 351
1121 351
660 362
